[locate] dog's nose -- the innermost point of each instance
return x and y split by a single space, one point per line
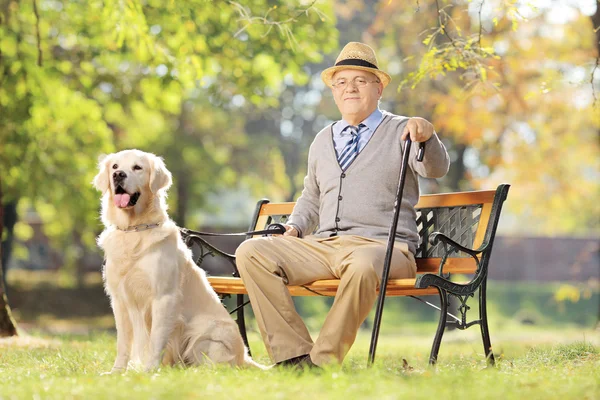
118 176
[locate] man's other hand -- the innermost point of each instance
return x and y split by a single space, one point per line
290 231
419 129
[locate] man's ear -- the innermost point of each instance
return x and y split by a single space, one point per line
101 181
160 177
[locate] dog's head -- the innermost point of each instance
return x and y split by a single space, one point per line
131 178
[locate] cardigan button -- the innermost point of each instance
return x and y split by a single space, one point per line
343 175
337 219
340 197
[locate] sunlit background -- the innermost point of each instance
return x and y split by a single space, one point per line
230 95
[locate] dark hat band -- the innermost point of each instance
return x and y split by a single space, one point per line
356 62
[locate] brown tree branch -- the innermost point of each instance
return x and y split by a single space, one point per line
4 20
245 16
37 33
592 80
442 25
596 24
480 27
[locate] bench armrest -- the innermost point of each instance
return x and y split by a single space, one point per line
440 280
190 238
207 249
440 237
426 280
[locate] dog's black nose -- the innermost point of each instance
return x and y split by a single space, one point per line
118 176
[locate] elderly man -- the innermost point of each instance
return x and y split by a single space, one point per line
348 197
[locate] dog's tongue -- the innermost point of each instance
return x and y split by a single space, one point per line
121 200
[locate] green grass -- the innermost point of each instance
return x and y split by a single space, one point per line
69 367
556 356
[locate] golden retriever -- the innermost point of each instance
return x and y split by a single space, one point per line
165 309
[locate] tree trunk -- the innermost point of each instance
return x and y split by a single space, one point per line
182 186
456 175
9 220
181 176
596 23
292 165
80 259
7 324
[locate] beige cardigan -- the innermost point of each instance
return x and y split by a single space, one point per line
360 201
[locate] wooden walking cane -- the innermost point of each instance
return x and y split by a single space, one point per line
390 246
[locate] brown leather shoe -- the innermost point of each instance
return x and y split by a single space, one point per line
300 362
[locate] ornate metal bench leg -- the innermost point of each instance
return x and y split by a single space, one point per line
241 321
485 333
437 340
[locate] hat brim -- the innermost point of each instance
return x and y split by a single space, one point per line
327 74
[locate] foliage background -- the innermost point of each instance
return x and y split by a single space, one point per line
229 94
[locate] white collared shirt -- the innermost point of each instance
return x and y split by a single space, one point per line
341 135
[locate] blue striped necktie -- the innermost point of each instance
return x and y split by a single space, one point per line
350 151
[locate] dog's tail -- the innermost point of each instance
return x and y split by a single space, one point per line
250 363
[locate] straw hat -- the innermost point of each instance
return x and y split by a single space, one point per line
356 55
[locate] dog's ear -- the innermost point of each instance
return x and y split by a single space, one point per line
101 181
160 177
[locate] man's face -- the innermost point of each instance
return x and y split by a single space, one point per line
356 98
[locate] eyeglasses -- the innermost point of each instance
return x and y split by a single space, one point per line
358 82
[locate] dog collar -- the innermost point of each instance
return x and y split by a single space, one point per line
139 228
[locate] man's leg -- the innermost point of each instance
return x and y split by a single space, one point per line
266 265
359 268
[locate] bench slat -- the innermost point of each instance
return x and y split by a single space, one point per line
455 199
425 201
326 287
277 208
454 265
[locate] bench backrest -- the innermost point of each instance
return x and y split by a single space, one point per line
469 218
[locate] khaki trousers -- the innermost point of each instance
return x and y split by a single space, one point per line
268 264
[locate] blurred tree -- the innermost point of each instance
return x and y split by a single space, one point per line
203 135
82 78
512 90
306 106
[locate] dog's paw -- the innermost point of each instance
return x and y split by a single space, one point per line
152 368
114 371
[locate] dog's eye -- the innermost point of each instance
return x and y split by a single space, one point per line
137 167
115 166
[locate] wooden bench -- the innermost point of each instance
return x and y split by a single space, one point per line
456 236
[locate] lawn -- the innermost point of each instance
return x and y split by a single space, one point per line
533 363
72 341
